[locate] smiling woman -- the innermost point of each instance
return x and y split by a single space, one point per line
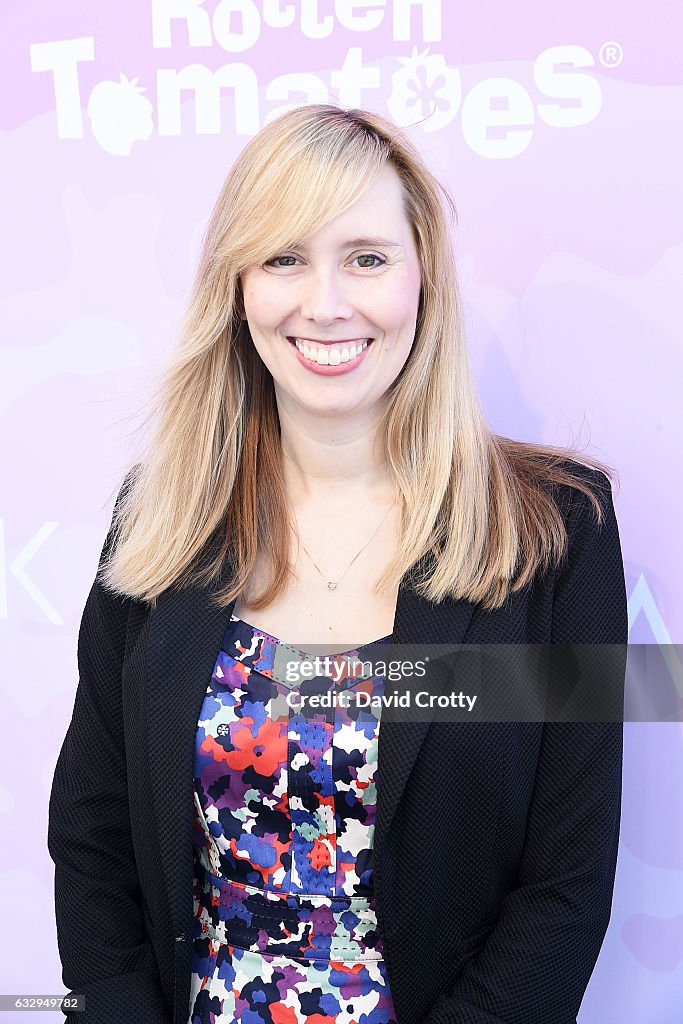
320 472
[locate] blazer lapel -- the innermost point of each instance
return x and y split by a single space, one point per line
185 635
417 621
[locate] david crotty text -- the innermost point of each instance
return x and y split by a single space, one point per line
362 699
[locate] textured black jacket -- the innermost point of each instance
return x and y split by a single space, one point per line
494 914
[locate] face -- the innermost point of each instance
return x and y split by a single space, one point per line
354 288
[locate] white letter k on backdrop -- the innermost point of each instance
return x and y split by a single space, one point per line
17 568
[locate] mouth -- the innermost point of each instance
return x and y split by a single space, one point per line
330 353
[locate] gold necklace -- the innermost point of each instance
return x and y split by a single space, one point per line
331 584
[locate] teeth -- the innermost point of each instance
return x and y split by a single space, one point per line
329 355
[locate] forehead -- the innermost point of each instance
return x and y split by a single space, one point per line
382 197
376 218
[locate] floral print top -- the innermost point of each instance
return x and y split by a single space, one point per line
285 928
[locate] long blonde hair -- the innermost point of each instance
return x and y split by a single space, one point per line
481 508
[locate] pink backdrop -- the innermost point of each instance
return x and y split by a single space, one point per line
558 129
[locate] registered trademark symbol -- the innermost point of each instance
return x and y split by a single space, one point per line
611 55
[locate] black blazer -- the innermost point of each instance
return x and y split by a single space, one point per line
494 914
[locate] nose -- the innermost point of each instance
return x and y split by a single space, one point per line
324 299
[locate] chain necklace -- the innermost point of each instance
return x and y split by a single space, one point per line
331 584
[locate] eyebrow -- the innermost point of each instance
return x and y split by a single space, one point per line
374 243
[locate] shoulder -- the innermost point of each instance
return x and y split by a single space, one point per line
589 599
586 476
584 499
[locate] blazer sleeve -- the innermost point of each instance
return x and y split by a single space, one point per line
101 934
537 961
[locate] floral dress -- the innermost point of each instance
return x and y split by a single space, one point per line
285 929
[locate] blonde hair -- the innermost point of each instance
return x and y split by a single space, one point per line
477 510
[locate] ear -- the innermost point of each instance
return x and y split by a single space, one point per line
239 300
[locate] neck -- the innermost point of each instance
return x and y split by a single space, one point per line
326 459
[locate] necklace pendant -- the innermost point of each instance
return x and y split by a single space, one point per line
331 585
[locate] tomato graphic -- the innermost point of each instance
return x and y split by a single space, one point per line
119 115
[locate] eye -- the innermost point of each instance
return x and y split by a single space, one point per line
272 263
371 256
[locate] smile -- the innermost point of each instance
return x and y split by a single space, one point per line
330 353
330 359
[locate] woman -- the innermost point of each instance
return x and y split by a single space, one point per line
321 474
